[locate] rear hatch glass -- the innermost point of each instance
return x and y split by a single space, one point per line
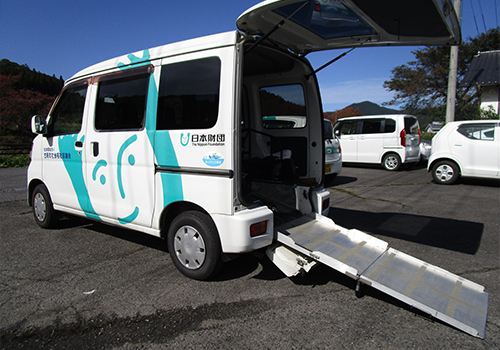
306 26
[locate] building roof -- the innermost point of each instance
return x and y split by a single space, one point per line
484 69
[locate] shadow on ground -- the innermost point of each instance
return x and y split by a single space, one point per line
455 235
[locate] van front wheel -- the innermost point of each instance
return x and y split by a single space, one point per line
43 209
391 162
194 245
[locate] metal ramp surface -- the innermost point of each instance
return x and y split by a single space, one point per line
443 295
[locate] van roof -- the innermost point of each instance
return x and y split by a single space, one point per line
482 121
377 116
144 57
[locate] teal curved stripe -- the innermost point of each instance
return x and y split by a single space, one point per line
101 163
134 60
127 143
74 167
163 149
130 218
160 141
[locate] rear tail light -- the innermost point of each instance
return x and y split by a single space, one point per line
326 204
317 7
258 228
402 135
340 149
419 136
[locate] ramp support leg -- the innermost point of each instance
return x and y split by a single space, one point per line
359 289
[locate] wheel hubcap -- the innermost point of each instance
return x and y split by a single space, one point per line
391 162
444 172
40 207
189 247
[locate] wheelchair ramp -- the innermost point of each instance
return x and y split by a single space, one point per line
443 295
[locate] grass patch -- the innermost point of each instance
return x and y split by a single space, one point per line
14 161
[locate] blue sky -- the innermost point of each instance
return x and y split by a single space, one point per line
63 37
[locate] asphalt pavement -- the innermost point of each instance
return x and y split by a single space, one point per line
90 286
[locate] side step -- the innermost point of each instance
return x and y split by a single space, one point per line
368 260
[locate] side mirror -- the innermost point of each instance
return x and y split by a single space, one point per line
38 125
337 133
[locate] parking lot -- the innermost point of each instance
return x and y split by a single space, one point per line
90 286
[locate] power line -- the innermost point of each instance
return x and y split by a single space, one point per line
474 15
496 11
482 15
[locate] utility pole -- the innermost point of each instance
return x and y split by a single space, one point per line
452 77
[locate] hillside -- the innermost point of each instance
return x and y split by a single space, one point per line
24 92
370 108
30 79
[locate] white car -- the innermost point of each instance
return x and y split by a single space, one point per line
389 140
466 148
333 152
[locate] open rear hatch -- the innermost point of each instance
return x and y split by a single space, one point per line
307 26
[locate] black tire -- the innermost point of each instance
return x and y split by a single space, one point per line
391 162
43 209
445 172
194 245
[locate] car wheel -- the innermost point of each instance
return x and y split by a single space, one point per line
445 172
194 245
391 162
43 209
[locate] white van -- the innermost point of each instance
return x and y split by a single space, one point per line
333 151
185 142
390 140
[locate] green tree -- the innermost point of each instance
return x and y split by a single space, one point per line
421 86
23 93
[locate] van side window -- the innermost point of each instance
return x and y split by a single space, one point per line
121 103
189 94
390 125
283 107
348 127
66 118
478 132
372 126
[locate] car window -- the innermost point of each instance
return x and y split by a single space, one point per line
66 118
485 132
327 130
411 125
121 102
390 125
283 107
189 94
348 127
372 126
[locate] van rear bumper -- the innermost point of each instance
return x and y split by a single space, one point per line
234 230
412 159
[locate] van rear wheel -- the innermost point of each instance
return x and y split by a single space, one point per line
391 162
194 245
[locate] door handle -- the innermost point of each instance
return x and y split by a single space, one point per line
79 144
95 148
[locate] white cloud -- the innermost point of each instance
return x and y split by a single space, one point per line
336 96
